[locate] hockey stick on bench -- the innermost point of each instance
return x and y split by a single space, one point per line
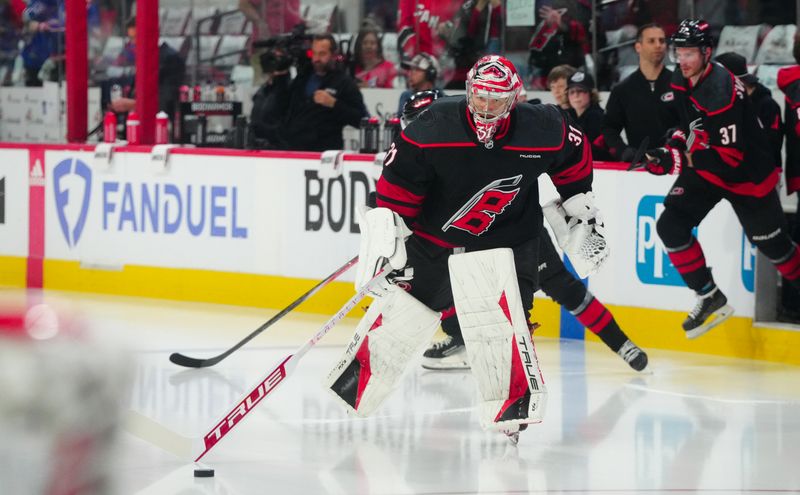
637 162
274 378
190 362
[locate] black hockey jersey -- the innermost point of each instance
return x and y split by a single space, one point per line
737 156
456 192
789 82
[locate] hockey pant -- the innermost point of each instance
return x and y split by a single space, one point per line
689 201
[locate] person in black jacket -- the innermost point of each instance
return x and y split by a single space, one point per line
584 102
718 152
315 106
767 109
642 104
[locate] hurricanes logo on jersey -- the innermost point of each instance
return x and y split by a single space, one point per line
478 214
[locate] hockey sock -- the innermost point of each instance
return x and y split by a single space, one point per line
691 264
597 318
789 265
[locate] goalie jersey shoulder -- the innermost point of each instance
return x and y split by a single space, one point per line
441 124
541 127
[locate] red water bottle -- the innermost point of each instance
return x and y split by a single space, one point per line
184 93
133 128
162 132
198 93
110 127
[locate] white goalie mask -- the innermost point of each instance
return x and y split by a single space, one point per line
493 86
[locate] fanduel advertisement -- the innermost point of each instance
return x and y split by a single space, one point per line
652 262
201 210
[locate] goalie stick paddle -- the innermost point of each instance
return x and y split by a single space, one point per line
191 362
276 376
637 163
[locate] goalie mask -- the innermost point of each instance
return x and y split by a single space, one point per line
493 86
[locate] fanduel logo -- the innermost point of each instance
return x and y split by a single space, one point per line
748 264
652 263
72 186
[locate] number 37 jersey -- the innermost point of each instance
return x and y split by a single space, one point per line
458 192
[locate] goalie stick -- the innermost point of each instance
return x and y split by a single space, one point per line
191 362
275 377
637 162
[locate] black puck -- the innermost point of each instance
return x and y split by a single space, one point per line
204 473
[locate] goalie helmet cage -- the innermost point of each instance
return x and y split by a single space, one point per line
77 70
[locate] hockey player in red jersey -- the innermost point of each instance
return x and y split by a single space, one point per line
789 83
719 152
458 217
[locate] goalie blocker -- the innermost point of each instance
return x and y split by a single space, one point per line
497 338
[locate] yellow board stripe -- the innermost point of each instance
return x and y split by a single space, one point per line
649 328
13 271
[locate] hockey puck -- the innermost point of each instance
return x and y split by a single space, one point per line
204 473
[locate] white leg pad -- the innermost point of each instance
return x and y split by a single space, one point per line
499 346
396 328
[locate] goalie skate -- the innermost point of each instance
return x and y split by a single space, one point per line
499 346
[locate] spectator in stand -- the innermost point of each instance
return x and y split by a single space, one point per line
789 83
370 69
560 38
474 32
315 106
269 18
422 26
171 71
767 109
10 33
423 70
584 101
642 104
557 84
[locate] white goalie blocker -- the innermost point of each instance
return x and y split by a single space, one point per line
498 341
579 231
396 328
383 240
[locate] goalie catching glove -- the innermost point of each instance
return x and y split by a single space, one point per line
383 240
579 231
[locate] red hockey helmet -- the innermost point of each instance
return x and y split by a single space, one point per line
493 86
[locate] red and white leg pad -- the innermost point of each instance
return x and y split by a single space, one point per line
499 346
396 328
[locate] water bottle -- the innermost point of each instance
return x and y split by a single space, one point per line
133 131
110 127
184 92
391 131
162 128
370 127
197 94
240 132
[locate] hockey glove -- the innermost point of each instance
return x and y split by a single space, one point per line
579 231
664 160
383 241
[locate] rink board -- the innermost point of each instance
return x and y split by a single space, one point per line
261 228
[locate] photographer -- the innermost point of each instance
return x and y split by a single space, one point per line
309 112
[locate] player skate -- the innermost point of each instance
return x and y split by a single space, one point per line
633 355
450 353
711 310
498 343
